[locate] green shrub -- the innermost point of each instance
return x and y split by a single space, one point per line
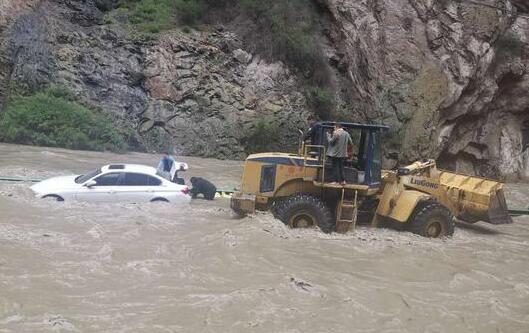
322 101
287 32
283 30
190 11
149 16
52 118
287 29
153 16
261 139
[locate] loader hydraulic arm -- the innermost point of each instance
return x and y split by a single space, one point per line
469 198
417 167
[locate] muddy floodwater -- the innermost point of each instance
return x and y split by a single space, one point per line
77 267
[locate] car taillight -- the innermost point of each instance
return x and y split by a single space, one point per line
185 190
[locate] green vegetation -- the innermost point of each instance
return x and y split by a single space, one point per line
147 16
259 139
153 16
53 118
190 11
283 30
287 32
321 99
287 28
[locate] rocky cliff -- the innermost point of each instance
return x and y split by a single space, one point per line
449 77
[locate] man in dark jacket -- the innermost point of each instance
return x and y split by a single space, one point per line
313 134
204 187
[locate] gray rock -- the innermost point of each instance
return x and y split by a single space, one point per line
206 108
242 56
442 76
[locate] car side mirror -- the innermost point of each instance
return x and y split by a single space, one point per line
90 183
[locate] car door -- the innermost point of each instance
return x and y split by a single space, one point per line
104 189
137 187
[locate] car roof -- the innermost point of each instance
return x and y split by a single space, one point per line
355 125
129 168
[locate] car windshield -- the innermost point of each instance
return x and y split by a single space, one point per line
83 178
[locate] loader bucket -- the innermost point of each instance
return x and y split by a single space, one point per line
498 212
476 198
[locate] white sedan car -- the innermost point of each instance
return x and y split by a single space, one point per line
114 183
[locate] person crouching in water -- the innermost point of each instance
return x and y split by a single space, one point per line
204 187
337 152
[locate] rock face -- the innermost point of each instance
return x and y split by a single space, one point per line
64 42
199 93
210 95
449 77
9 11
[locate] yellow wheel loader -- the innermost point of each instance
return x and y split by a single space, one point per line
419 197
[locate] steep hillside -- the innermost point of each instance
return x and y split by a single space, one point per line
224 78
450 77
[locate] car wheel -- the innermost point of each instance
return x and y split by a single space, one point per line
159 200
53 196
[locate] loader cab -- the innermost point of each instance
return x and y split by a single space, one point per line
365 164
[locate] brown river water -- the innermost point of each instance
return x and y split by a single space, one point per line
78 267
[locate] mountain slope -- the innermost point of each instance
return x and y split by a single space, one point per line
450 77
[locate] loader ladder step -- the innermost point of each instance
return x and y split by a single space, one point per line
343 223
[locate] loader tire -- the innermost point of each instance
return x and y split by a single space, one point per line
276 204
432 220
305 211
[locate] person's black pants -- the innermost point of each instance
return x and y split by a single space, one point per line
338 169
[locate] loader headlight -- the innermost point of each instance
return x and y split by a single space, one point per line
403 171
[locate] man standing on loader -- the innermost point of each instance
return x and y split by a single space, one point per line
337 152
313 133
